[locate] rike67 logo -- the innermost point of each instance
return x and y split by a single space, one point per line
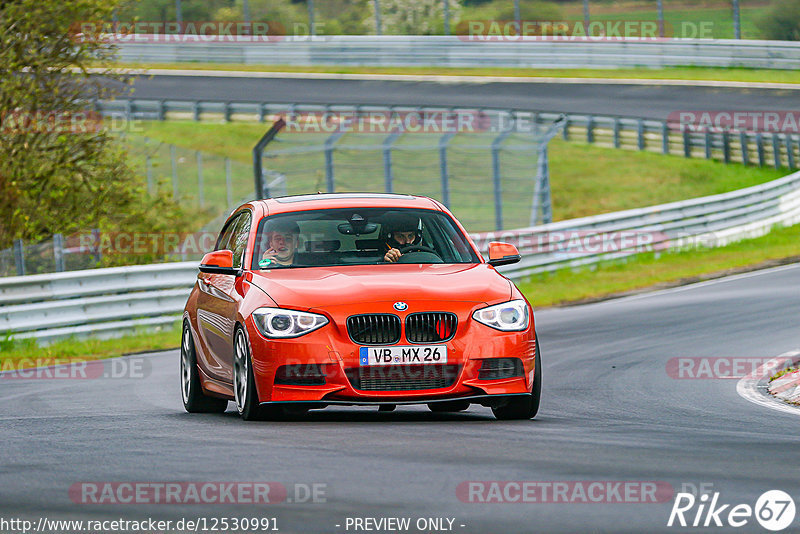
774 510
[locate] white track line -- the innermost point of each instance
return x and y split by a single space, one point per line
752 389
449 79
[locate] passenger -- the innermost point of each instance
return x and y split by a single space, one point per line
283 238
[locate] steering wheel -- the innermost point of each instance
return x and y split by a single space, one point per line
416 248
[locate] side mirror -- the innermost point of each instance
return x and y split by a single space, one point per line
503 254
219 262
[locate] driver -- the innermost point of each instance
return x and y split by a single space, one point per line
283 238
403 230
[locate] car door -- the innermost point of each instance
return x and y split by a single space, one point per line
218 301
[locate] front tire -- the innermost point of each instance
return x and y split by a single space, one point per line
244 382
524 406
194 399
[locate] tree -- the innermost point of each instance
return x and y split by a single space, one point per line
61 171
414 17
781 22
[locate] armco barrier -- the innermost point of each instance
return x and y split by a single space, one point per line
775 149
455 51
107 302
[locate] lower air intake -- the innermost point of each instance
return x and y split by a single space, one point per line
403 377
497 368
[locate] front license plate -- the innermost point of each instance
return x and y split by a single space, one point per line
420 354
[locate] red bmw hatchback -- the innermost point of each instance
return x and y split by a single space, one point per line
356 299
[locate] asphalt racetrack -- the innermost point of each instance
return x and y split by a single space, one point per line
634 100
611 411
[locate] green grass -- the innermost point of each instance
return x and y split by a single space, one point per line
586 180
648 269
791 76
26 353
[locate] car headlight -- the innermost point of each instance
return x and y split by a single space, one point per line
280 323
509 316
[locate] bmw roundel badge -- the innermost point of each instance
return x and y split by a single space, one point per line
400 306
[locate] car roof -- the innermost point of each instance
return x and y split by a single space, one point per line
344 200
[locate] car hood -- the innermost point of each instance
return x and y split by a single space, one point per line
321 287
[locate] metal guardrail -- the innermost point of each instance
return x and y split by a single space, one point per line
107 302
711 221
662 136
461 51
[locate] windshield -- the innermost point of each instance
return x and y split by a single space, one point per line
322 238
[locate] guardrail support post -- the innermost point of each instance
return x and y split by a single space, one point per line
687 145
162 112
262 112
196 110
787 139
760 149
590 130
227 112
707 143
58 252
745 148
616 133
664 137
19 257
566 129
640 133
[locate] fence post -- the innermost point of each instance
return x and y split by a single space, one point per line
664 138
443 142
228 184
174 160
590 130
200 195
616 133
387 161
776 151
726 147
640 134
58 252
745 148
96 240
329 177
760 149
498 186
19 257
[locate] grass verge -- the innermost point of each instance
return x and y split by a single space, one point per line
26 353
650 271
669 73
